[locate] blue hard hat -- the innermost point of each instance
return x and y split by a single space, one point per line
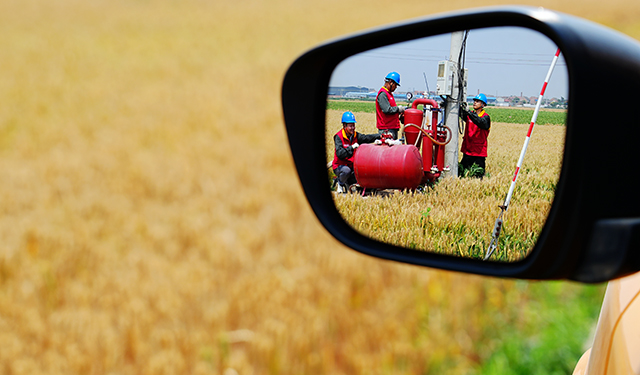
394 76
348 118
481 97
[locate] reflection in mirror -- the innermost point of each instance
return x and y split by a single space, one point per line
424 137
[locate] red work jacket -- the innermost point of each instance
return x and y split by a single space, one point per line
345 142
383 120
475 139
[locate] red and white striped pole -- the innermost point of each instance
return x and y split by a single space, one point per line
498 225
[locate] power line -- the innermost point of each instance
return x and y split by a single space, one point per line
473 59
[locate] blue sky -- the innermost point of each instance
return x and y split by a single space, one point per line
501 61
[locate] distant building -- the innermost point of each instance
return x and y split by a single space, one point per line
343 90
501 102
355 95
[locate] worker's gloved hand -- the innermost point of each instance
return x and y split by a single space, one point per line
463 106
401 109
377 142
393 142
355 145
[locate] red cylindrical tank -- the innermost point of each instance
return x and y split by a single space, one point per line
427 155
442 137
412 116
388 167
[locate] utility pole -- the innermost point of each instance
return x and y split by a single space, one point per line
453 105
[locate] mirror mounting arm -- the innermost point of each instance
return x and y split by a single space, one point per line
612 250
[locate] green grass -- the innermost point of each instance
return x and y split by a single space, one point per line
523 116
551 331
353 106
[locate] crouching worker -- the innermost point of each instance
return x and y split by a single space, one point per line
346 142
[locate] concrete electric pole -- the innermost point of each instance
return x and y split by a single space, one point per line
458 90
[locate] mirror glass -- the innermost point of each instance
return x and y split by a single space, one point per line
425 188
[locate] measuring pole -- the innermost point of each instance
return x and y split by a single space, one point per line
503 208
453 107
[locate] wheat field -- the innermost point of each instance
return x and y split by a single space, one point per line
152 221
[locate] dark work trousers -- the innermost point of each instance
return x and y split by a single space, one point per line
468 160
345 175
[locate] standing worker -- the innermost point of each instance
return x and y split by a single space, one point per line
387 112
346 142
474 144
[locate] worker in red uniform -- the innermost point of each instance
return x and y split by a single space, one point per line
474 144
346 142
387 112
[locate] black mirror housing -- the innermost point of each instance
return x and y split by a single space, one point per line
592 232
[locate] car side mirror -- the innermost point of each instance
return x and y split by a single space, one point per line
580 219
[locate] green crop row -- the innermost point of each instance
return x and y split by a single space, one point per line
523 116
353 106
